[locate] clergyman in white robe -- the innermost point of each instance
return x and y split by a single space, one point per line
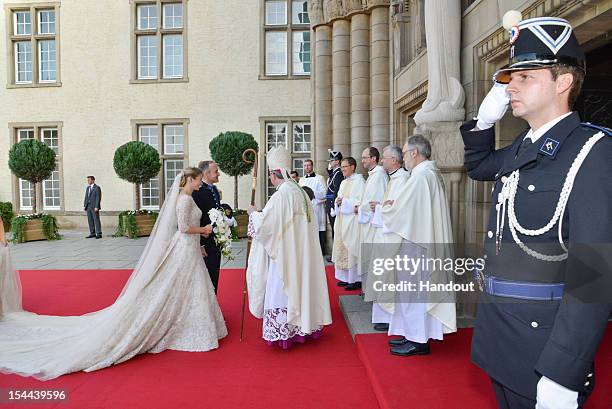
421 217
345 252
388 239
286 273
374 191
319 187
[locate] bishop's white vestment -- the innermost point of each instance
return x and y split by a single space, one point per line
286 273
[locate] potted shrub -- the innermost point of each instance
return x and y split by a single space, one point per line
33 161
226 150
137 163
6 214
242 219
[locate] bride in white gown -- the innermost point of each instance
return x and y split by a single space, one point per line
168 303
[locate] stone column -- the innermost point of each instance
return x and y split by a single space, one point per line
341 86
380 126
322 96
442 112
360 85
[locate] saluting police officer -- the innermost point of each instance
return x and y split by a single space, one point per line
546 280
333 185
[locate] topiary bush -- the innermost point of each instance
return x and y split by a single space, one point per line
33 161
6 214
137 163
226 150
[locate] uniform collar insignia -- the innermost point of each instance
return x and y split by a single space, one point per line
549 146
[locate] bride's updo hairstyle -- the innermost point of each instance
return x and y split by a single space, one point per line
189 173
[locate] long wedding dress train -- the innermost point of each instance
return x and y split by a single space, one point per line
168 303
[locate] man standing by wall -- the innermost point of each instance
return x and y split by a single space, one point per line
93 197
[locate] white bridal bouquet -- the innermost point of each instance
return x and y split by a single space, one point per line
222 232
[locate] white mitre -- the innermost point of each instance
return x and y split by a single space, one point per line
279 158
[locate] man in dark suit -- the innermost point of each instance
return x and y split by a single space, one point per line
208 198
546 282
93 197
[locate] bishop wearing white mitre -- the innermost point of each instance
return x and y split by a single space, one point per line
286 273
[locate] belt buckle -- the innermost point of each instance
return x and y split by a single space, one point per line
480 279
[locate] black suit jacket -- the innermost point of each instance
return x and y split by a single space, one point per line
94 198
205 200
517 343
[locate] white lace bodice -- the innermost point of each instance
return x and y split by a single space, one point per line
187 213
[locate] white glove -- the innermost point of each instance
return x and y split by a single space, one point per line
551 395
493 106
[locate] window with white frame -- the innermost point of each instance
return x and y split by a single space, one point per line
294 135
49 193
168 138
286 38
159 40
33 45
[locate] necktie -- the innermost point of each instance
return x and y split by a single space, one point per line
527 142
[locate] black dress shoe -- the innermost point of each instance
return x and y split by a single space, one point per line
341 284
398 342
381 327
98 237
354 286
91 236
411 348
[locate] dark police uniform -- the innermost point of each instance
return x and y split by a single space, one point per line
544 310
333 186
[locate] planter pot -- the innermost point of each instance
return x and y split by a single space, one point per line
33 231
144 225
243 224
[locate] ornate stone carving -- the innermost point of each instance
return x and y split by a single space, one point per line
351 6
376 3
332 9
445 95
446 144
315 12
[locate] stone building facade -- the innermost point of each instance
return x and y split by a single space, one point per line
86 79
386 69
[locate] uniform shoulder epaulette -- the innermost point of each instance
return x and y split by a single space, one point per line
603 129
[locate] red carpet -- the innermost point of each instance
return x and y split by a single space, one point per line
326 373
447 379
